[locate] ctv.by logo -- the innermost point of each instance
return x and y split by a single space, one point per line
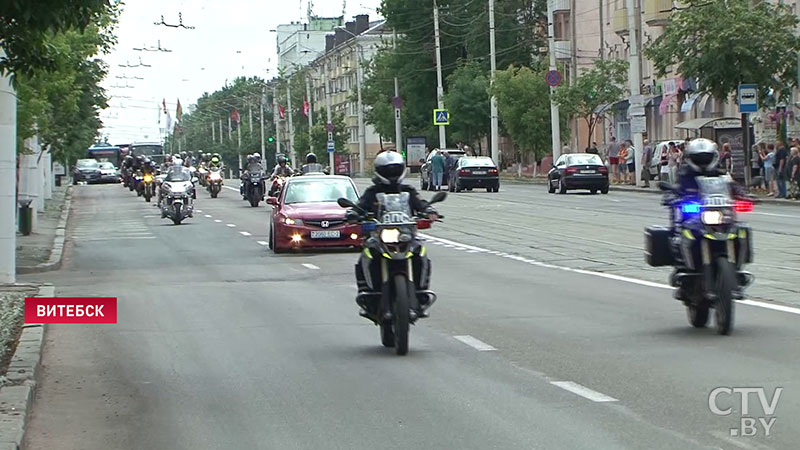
748 425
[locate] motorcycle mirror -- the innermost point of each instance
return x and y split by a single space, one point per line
422 161
439 197
346 203
665 186
272 201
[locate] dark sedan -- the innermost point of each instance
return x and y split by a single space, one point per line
475 172
87 170
578 171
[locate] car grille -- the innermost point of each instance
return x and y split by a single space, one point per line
318 223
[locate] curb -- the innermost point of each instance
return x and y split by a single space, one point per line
57 253
16 399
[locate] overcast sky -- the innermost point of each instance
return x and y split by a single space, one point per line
231 38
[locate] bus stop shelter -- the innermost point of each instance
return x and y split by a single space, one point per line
723 130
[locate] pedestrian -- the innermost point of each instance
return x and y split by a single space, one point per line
437 168
647 157
467 151
726 159
449 165
755 166
630 162
781 158
673 161
768 156
592 149
663 173
613 159
793 170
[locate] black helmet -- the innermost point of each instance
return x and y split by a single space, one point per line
702 155
281 159
390 168
311 158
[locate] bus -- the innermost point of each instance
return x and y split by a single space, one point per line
106 152
152 150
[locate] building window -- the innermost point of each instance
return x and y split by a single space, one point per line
561 29
354 135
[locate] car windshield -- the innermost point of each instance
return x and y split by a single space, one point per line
479 162
87 164
320 191
585 159
107 166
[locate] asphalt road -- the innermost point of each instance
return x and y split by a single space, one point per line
221 344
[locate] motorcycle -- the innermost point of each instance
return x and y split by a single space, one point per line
147 186
708 246
137 183
214 182
177 203
394 304
277 185
254 188
202 176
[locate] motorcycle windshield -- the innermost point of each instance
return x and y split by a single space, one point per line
178 175
714 191
394 208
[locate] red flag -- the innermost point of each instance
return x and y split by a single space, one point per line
235 119
281 111
179 111
306 107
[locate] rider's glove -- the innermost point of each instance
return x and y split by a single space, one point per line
352 216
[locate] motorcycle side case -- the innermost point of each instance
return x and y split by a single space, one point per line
744 244
658 250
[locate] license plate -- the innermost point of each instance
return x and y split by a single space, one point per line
479 172
326 234
588 171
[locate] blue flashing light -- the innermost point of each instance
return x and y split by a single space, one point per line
690 208
366 227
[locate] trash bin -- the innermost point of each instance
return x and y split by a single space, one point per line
25 217
58 180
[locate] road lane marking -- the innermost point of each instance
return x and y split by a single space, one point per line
776 215
199 210
207 215
610 276
264 243
245 233
310 266
231 225
477 344
230 188
583 391
217 220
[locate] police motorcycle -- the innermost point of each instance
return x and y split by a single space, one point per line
178 189
708 245
393 303
214 182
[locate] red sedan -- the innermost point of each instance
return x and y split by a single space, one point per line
306 215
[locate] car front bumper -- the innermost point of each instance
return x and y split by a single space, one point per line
299 237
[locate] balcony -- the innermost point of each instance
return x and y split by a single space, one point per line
619 22
563 49
657 12
560 5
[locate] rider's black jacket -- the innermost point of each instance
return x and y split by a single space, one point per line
687 180
369 199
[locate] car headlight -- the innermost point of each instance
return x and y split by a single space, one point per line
290 221
390 235
712 217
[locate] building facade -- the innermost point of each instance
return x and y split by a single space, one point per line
299 43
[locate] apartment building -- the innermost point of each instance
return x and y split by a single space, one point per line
300 43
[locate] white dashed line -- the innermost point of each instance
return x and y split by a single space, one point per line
610 276
310 266
217 220
230 188
583 391
231 225
207 215
199 210
264 243
475 343
245 233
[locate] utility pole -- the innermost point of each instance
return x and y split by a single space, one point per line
220 131
250 120
261 120
636 109
213 133
291 127
398 121
276 120
494 125
439 86
362 139
574 69
555 125
310 114
602 58
328 114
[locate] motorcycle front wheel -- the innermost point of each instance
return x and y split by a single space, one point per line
725 284
400 321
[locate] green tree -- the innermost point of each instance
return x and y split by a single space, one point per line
725 43
595 87
522 99
467 99
319 135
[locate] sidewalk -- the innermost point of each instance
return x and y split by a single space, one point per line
39 251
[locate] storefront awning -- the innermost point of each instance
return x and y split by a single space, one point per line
622 104
689 103
704 122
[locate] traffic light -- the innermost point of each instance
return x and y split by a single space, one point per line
270 139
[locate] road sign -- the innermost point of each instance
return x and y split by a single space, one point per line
397 102
330 136
553 78
441 117
638 124
748 98
330 127
331 146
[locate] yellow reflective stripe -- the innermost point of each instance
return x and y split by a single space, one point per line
387 256
742 234
710 236
409 254
688 234
367 253
422 252
732 236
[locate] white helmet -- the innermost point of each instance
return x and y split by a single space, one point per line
701 154
390 168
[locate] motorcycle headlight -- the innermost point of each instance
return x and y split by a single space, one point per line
215 176
148 178
390 235
712 217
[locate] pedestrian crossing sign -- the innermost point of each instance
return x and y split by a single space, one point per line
441 117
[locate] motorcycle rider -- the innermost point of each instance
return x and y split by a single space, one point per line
253 165
390 170
311 164
174 172
282 169
215 162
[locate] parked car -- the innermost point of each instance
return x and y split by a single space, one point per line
473 172
87 170
425 174
578 171
108 173
306 214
